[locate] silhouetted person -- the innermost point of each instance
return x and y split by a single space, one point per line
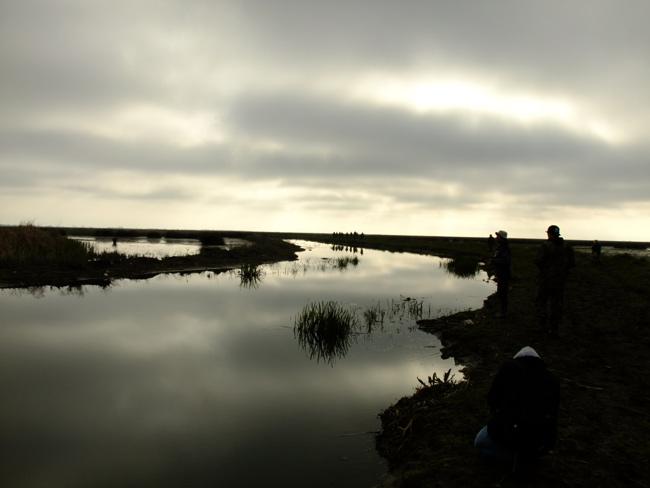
554 259
114 241
524 401
596 250
490 242
502 264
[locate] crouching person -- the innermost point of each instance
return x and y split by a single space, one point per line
524 402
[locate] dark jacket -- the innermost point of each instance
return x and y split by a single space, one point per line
524 400
554 259
502 260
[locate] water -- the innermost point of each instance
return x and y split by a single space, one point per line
154 248
198 380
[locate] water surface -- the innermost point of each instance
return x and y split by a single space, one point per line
198 380
154 248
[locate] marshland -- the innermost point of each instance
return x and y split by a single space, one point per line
305 359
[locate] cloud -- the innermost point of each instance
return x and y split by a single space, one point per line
303 138
376 104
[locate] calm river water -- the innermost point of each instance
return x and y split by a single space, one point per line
198 380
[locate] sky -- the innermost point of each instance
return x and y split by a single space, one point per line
411 117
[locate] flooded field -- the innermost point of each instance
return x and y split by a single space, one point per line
154 248
201 380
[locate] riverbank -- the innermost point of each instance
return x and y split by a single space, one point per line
600 358
104 268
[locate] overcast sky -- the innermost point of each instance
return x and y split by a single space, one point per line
410 117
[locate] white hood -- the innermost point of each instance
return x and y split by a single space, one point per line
526 351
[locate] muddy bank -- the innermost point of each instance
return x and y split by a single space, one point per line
106 268
601 359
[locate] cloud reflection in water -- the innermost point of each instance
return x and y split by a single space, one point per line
180 380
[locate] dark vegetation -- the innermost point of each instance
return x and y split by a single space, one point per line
463 266
324 329
27 245
250 275
33 256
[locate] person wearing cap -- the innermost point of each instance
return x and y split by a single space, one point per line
524 401
502 264
554 260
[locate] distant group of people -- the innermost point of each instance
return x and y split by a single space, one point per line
524 396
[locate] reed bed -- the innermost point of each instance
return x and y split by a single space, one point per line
26 245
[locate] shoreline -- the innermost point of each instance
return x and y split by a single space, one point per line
110 267
600 359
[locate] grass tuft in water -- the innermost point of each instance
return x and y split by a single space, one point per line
324 330
463 266
344 262
374 315
250 276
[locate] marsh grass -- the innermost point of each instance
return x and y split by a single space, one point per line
340 263
374 315
447 382
343 262
27 245
250 275
414 307
463 266
405 307
324 330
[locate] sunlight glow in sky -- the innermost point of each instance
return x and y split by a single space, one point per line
477 99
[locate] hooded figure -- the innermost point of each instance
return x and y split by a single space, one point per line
524 402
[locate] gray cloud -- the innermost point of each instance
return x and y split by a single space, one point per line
257 69
356 143
402 136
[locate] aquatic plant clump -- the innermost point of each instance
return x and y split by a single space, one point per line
250 275
374 315
442 385
324 329
344 262
463 266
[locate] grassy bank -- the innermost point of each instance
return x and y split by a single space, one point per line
601 360
27 245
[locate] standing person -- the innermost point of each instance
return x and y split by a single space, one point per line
490 242
524 401
502 263
596 249
554 259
